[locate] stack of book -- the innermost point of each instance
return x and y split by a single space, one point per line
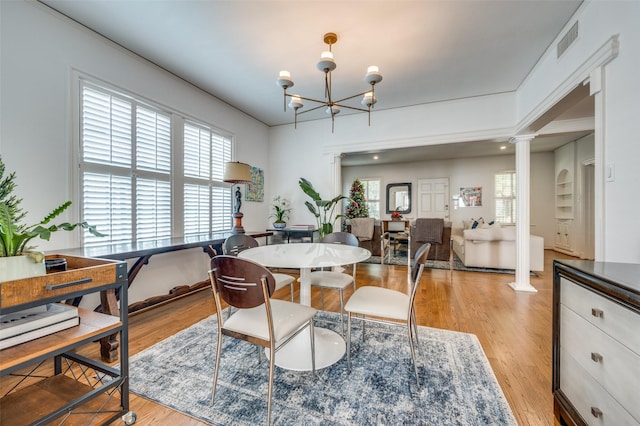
30 324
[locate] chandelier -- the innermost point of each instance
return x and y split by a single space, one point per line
331 105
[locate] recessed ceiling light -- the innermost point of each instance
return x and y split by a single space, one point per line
503 147
375 157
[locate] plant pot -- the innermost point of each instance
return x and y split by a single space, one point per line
396 219
17 267
279 225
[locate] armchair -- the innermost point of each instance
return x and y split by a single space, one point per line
438 251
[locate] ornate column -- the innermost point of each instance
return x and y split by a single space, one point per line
523 213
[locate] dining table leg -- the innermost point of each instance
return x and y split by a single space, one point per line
330 346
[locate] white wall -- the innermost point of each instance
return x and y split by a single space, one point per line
465 172
39 52
598 22
497 116
309 150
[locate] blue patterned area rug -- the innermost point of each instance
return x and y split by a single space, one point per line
457 385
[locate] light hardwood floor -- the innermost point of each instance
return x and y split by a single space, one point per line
514 329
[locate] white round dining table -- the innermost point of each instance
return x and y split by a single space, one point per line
330 346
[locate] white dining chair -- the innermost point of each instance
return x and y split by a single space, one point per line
388 304
258 319
334 279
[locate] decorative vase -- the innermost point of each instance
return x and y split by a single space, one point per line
396 219
17 267
279 225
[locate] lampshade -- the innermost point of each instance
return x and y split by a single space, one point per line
237 172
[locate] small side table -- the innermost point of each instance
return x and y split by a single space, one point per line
396 232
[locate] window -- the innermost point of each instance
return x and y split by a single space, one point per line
505 197
129 181
372 196
207 203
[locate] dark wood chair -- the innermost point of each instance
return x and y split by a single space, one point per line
258 319
239 242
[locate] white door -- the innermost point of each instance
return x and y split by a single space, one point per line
433 198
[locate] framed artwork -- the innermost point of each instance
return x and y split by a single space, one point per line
255 189
470 197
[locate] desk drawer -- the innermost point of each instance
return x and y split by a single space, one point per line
589 398
82 274
615 320
611 364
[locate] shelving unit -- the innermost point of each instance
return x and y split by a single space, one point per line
564 196
44 379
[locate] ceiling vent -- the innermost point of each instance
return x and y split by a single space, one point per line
568 38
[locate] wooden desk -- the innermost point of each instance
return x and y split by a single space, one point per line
143 250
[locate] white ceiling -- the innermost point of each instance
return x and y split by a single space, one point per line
427 51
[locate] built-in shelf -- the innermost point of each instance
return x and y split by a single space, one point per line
564 195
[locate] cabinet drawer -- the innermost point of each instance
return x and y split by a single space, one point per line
82 274
615 320
587 396
611 364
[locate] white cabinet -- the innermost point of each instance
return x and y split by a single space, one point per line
596 346
564 240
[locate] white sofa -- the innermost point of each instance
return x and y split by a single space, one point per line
495 247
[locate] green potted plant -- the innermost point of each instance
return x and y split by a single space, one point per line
281 209
322 210
17 259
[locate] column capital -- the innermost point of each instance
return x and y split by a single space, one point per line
522 138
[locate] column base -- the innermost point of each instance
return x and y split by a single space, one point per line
523 287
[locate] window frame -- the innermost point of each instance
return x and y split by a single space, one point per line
497 197
365 183
176 176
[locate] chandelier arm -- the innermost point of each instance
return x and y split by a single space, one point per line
351 107
313 109
309 99
352 96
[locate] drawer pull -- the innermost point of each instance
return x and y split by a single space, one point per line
596 357
596 412
598 313
69 284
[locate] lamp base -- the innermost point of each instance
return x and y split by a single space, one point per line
237 223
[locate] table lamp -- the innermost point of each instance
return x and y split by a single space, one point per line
236 172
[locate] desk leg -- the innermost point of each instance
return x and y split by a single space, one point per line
109 345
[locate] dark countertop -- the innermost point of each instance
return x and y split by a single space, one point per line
620 278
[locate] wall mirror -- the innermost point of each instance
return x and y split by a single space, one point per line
399 197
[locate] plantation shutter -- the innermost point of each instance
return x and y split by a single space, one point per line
113 179
128 180
207 199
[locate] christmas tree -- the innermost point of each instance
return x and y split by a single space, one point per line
357 206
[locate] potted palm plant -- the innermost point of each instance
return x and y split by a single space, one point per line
17 258
322 210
